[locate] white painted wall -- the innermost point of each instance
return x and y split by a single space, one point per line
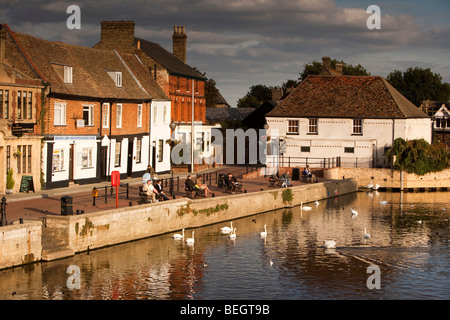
334 135
160 118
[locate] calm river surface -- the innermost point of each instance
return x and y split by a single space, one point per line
409 243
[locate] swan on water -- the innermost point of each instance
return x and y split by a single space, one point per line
233 234
376 187
369 186
317 202
366 235
383 202
190 240
354 212
264 233
227 229
302 207
329 244
178 236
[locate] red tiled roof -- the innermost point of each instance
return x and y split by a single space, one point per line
90 70
346 97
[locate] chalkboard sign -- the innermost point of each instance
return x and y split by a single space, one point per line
26 184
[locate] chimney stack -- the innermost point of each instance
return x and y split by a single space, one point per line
118 35
179 38
326 62
339 67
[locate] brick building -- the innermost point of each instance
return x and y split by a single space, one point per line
20 97
96 115
183 84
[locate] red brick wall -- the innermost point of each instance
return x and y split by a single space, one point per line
74 111
181 89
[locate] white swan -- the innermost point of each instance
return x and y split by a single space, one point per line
302 207
190 240
376 187
383 202
263 233
178 236
317 202
227 229
233 234
369 186
354 212
329 244
366 235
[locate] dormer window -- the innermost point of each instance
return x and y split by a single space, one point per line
68 74
119 79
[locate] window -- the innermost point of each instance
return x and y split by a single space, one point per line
305 149
8 158
118 149
60 114
178 84
139 115
19 104
86 158
19 163
165 114
119 79
6 107
357 126
312 126
24 105
67 74
29 159
292 127
30 105
88 115
138 150
160 150
105 115
349 150
24 159
58 160
155 114
119 116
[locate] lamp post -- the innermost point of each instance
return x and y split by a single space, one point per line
172 125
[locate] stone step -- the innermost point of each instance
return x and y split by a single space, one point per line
50 255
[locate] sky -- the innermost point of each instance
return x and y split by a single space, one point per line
240 43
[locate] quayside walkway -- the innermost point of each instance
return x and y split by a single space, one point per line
39 204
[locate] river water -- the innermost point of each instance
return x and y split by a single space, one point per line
409 242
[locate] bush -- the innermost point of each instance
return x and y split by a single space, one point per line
418 156
10 180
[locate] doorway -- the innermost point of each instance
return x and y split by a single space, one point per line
130 158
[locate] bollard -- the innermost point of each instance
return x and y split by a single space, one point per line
78 211
3 221
130 203
21 220
94 195
82 211
245 191
213 195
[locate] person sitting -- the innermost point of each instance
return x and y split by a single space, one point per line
230 183
159 188
202 186
286 180
149 190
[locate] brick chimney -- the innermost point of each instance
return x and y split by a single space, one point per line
326 61
179 38
339 67
118 35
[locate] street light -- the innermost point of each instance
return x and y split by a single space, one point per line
173 126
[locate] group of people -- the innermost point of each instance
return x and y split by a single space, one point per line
306 173
152 185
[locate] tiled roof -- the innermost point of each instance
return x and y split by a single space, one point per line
90 70
173 64
346 97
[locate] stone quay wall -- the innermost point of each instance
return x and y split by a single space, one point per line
79 233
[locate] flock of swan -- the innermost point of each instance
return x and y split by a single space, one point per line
328 244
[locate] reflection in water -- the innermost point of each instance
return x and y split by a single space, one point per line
409 243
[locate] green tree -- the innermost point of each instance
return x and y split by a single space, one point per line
315 67
418 85
211 93
256 95
418 156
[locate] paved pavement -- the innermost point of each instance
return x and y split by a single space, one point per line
48 202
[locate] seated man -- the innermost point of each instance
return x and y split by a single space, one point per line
286 180
148 189
159 188
189 184
231 182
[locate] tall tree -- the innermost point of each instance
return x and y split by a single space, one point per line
211 93
315 67
256 95
418 85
